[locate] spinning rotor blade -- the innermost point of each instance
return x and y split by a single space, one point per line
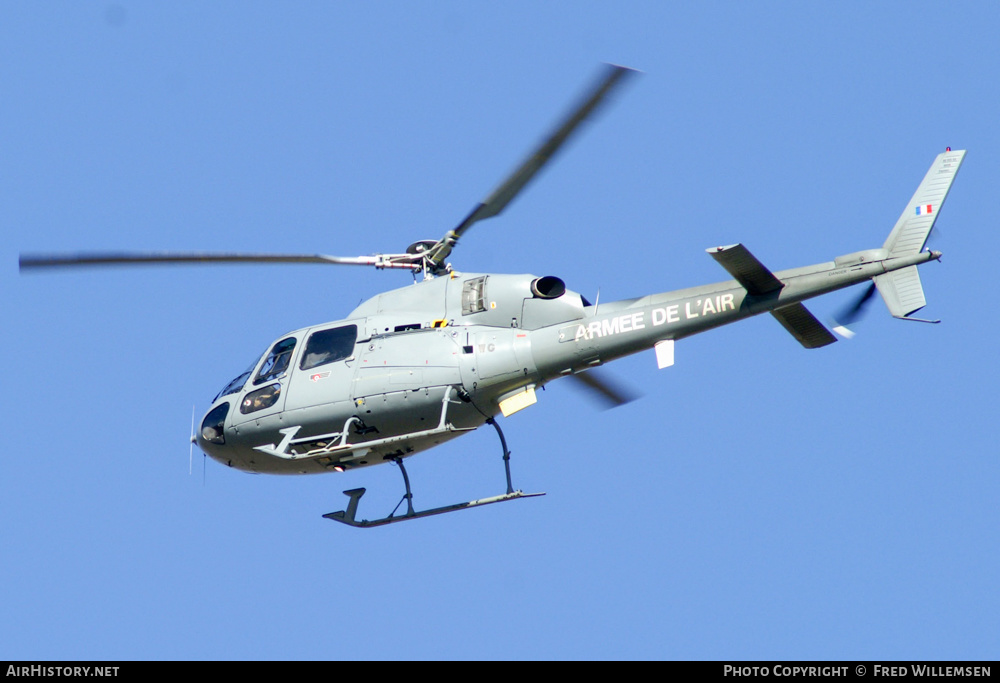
852 313
602 389
31 261
498 200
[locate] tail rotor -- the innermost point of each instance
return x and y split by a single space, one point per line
852 313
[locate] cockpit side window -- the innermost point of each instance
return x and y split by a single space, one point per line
276 362
327 346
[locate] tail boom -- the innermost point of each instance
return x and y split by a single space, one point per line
621 328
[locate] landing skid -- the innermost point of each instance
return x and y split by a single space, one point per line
348 516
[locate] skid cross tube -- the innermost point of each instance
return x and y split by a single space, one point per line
506 453
408 496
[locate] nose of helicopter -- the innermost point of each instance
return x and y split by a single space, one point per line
211 433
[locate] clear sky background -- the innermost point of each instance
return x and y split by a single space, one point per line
759 500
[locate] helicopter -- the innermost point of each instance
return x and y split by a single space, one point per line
415 367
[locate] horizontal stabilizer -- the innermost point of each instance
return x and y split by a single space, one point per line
911 230
804 326
757 279
748 271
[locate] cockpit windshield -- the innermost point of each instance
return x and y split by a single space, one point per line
237 384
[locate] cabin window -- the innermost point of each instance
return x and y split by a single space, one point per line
277 361
260 399
327 346
474 295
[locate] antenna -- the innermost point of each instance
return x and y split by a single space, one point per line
191 450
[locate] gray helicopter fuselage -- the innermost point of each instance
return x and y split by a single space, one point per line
414 367
399 353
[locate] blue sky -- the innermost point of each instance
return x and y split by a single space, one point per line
759 501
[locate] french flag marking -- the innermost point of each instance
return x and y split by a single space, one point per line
925 209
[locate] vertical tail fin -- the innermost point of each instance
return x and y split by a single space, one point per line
911 230
901 289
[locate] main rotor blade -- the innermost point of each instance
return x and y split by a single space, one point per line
498 200
601 388
32 261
